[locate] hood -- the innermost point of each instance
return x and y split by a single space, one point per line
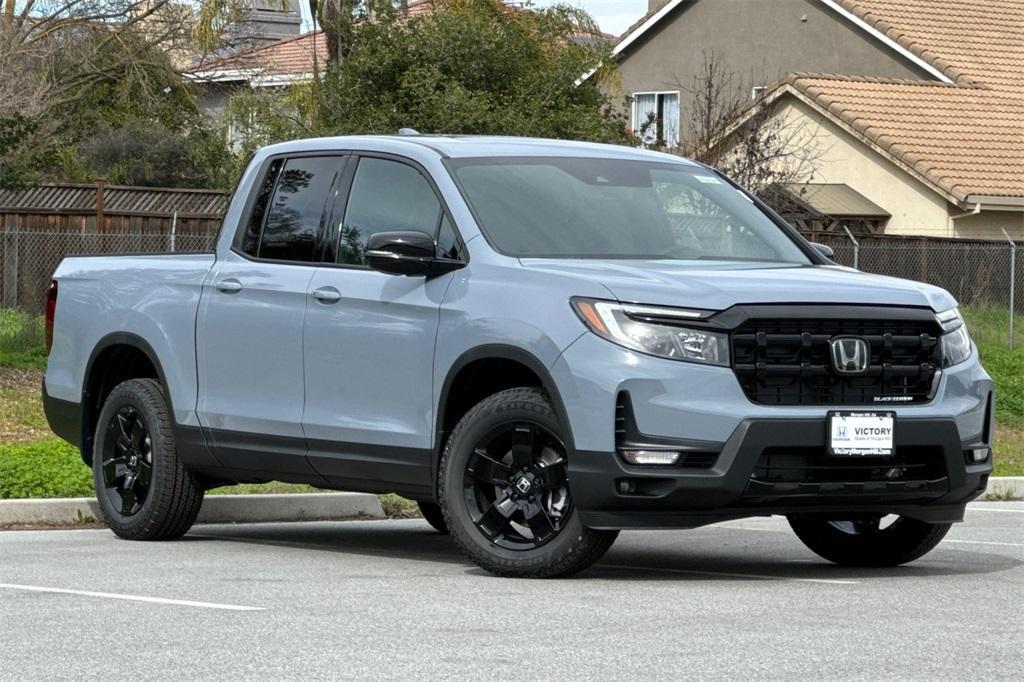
720 285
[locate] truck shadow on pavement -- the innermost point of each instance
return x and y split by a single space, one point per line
696 561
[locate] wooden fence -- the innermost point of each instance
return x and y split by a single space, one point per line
102 208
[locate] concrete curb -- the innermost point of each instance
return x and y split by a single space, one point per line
216 509
1005 488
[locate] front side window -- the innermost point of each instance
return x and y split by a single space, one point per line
611 208
656 118
386 196
292 228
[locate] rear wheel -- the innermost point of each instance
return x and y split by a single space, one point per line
144 490
869 541
433 515
504 490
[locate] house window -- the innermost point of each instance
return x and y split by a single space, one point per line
656 118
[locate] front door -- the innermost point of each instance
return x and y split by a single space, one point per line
369 337
249 340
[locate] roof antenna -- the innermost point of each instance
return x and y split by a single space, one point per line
408 131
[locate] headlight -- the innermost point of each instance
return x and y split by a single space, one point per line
956 342
654 330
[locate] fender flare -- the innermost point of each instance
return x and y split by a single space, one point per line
498 351
108 341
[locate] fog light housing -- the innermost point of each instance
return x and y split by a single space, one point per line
650 457
978 455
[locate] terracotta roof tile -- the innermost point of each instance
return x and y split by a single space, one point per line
964 140
979 40
289 56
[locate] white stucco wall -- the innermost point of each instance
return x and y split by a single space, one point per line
916 209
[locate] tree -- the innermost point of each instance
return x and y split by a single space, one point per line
470 66
82 78
748 140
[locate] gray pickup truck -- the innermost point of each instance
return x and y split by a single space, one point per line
543 343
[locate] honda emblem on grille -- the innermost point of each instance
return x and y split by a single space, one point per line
850 354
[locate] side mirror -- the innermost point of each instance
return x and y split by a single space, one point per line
409 253
825 251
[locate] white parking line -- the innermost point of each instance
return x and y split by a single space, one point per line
132 597
722 574
983 542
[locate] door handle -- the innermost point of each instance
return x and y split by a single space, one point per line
327 295
229 286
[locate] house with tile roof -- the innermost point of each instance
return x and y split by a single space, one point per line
295 59
276 64
917 105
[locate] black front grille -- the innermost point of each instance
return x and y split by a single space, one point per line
788 361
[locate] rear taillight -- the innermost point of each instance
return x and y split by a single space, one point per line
51 310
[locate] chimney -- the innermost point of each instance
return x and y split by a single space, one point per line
269 20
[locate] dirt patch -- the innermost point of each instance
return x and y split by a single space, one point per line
40 526
21 407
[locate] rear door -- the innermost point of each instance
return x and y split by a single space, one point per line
249 339
369 337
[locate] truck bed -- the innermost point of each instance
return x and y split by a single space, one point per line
107 297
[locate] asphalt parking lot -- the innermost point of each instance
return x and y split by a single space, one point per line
392 599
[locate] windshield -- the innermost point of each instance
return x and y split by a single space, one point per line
612 208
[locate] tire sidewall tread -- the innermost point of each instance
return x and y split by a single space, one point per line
175 497
571 551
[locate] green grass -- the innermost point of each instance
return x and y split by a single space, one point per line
50 468
21 340
989 329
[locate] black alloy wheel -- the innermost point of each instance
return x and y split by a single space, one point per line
127 461
505 490
144 490
516 485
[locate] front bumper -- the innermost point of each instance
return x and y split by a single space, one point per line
612 494
704 409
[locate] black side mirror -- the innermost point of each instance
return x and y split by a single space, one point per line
409 253
825 251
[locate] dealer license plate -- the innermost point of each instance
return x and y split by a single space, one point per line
861 434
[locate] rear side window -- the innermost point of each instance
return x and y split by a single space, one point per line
251 237
386 196
295 215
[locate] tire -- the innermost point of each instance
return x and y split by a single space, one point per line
144 490
433 515
864 544
541 537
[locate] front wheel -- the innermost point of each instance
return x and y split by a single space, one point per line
144 490
504 490
869 541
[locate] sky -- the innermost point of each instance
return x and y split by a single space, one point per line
613 16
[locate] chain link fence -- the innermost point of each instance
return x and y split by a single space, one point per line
977 273
29 258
